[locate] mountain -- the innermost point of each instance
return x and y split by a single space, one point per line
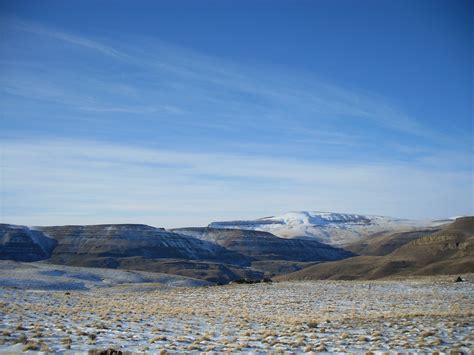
327 227
125 246
220 255
113 241
23 244
446 251
266 246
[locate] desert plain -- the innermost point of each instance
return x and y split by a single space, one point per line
416 315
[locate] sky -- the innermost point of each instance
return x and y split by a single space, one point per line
180 113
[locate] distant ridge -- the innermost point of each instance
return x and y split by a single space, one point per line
21 243
327 227
447 251
131 240
265 246
216 255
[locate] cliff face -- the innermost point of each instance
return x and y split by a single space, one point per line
266 246
131 240
24 244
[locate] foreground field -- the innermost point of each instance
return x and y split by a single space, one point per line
422 315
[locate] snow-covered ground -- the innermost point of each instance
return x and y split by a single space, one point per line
44 276
422 315
327 227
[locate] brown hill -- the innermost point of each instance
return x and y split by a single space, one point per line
447 251
384 243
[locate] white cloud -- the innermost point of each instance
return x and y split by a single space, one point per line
61 182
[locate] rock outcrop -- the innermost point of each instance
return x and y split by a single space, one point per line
24 244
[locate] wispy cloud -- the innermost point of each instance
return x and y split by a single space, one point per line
225 93
89 182
193 138
80 41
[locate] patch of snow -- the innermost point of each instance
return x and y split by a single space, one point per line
41 275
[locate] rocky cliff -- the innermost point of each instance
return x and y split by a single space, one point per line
266 246
24 244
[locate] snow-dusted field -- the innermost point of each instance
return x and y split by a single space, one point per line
422 315
45 276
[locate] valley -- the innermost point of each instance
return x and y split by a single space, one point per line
226 251
137 288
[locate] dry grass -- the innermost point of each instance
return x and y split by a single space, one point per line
309 316
31 345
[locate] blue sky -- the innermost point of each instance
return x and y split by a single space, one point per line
177 113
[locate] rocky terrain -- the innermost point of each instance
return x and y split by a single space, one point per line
110 242
221 255
266 246
245 255
417 315
24 244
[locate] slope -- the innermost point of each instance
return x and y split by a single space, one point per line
24 244
126 246
77 243
447 251
327 227
266 246
384 243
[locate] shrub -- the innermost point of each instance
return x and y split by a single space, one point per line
31 345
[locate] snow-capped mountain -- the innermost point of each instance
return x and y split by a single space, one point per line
327 227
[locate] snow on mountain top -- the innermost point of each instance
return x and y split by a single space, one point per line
322 218
455 218
311 218
327 227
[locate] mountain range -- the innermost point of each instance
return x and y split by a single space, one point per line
216 256
296 245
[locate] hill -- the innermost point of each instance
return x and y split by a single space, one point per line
447 251
266 246
75 244
327 227
24 244
384 243
270 254
125 246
